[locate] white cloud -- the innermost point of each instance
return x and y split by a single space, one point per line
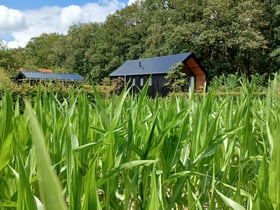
51 19
133 1
44 20
12 44
10 20
72 14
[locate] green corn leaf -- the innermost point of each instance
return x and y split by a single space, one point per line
178 190
7 204
6 116
49 184
125 166
91 200
102 109
190 189
229 202
6 153
263 201
26 200
154 201
274 168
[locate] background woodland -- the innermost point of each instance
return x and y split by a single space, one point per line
228 37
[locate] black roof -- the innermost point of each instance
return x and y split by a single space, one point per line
29 75
148 66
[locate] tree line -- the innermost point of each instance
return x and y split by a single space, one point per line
227 36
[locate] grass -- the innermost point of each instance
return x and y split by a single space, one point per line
133 152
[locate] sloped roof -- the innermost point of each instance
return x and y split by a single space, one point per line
48 76
147 66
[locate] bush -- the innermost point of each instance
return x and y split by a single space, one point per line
176 79
225 83
233 82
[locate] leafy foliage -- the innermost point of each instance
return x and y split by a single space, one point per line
228 36
233 82
176 79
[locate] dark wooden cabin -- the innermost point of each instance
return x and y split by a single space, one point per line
137 72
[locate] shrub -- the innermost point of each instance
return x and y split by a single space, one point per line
176 79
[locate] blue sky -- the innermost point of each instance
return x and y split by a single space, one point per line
35 4
20 20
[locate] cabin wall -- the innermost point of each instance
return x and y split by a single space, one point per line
156 86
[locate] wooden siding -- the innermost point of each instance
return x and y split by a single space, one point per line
43 70
200 77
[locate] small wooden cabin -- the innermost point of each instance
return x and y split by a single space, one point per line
139 71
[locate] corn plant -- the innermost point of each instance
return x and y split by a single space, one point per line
134 152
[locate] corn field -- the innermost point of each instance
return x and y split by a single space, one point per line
134 152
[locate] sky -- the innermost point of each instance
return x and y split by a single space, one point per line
20 20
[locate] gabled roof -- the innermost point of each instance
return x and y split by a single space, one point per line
148 66
29 75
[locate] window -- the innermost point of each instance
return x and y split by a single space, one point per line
151 82
133 82
141 81
192 83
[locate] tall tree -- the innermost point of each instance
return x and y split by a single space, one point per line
120 38
158 29
43 51
275 54
6 61
229 36
78 40
250 41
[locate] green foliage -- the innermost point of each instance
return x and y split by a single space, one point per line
275 54
176 79
3 78
50 188
233 82
226 83
46 51
7 61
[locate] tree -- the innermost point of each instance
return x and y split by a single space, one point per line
121 37
7 62
250 41
79 39
275 54
229 36
176 79
45 51
158 28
